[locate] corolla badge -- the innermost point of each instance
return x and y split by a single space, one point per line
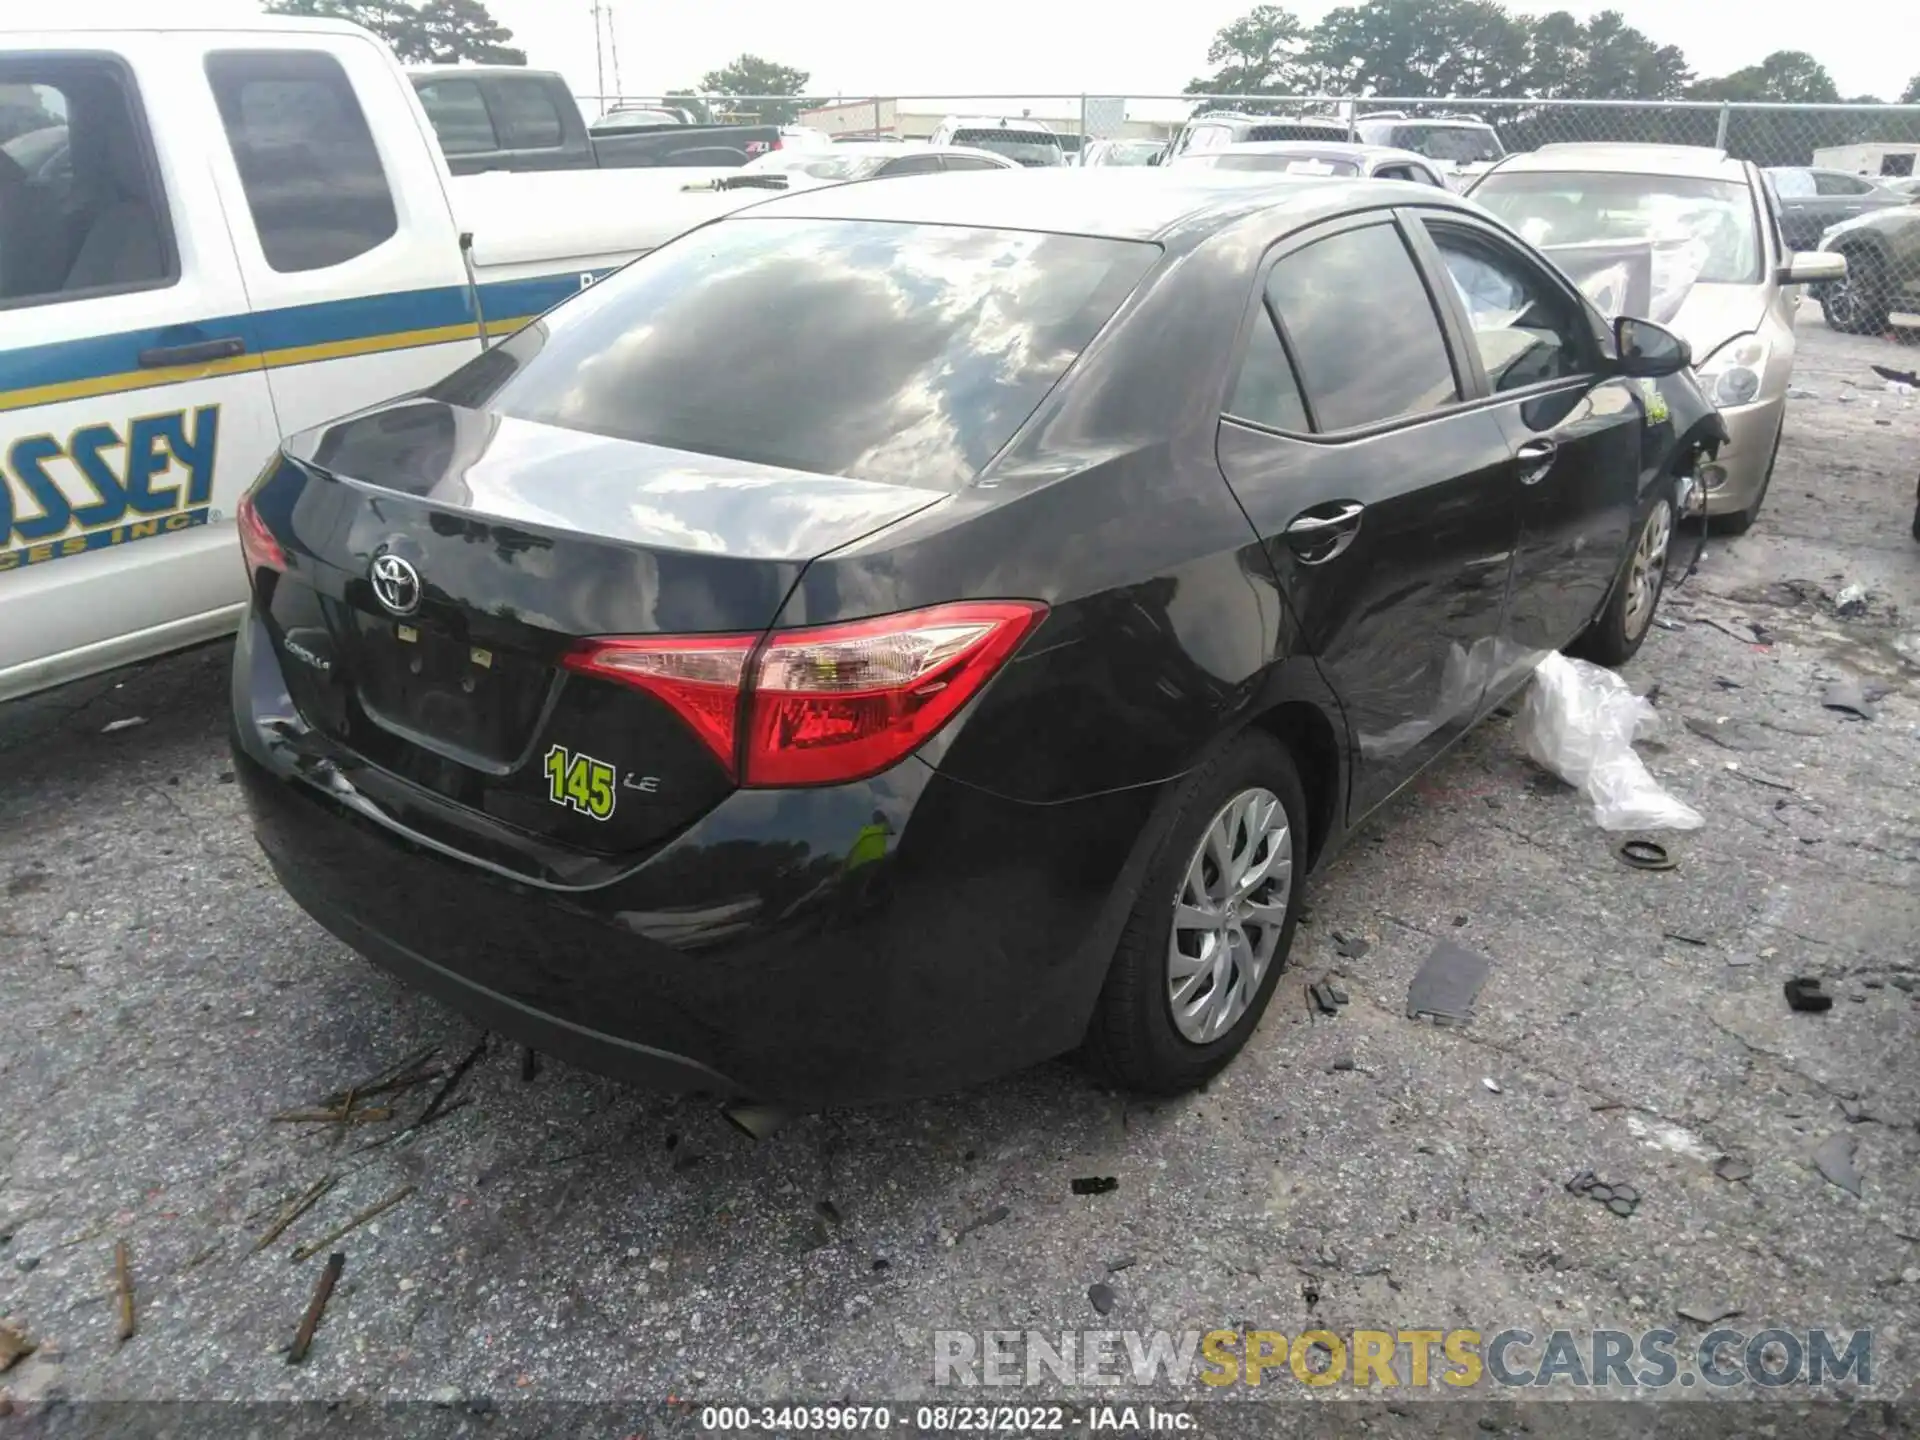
396 584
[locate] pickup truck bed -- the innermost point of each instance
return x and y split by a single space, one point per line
501 117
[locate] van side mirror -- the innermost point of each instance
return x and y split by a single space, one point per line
1643 348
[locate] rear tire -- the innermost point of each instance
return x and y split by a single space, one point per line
1136 1041
1861 304
1618 631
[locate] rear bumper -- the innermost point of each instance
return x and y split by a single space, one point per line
751 956
1752 431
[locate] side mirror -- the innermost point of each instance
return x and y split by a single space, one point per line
1645 349
1813 267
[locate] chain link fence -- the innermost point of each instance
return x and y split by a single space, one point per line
1842 173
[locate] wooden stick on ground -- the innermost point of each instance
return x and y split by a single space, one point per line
303 1337
297 1207
307 1252
123 1282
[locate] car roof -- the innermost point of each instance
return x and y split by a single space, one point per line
1313 148
1700 162
997 122
1471 122
1116 202
468 72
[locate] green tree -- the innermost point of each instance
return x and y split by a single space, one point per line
1417 48
1786 77
1620 63
1911 95
1261 53
690 102
439 32
753 76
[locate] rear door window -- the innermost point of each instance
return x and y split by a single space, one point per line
926 347
313 179
1363 329
526 112
1832 182
1267 392
459 117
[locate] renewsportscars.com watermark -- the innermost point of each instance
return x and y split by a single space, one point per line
1368 1360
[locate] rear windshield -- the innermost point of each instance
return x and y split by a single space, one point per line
892 352
1280 130
1285 164
1028 147
1455 144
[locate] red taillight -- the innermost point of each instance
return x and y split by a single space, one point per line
825 705
257 545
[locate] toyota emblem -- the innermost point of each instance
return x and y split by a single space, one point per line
396 584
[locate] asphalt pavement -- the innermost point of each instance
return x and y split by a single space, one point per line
557 1236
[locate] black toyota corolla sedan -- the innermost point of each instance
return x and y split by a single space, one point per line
900 633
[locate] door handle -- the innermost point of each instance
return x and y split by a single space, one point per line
1536 459
1319 534
200 352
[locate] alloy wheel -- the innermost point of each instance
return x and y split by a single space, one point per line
1649 569
1229 915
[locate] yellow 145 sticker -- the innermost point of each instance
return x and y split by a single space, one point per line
580 782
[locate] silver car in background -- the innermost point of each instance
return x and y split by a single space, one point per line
1687 237
1330 158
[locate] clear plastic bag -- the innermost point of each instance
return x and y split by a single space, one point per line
1580 721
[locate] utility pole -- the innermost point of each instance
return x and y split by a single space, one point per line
599 61
613 45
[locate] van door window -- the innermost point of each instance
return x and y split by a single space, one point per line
307 161
459 117
527 114
82 208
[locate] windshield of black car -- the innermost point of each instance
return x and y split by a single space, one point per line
894 352
1279 130
1034 148
1455 144
1282 164
1711 219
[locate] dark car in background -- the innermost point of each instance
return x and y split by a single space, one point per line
1813 201
505 117
982 688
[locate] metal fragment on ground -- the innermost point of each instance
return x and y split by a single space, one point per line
1447 983
1645 855
1095 1185
992 1217
1732 1167
1847 697
1834 1160
1708 1312
1808 994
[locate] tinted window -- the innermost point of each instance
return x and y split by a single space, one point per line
925 347
1283 164
459 117
82 209
1028 147
312 176
528 115
1363 329
971 162
1525 330
1283 131
913 165
1831 182
1266 392
1457 144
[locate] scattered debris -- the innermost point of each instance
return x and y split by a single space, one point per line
992 1217
345 1116
1100 1295
294 1209
15 1346
1121 1262
1664 1135
1645 855
1580 721
1834 1160
1095 1185
1682 937
1340 997
1809 995
1801 392
1726 684
307 1252
1846 696
1447 983
1343 1063
1349 947
1622 1200
322 1290
1708 1313
123 1288
529 1066
1325 997
1741 959
405 1075
1732 1167
1852 600
1897 379
132 722
1491 1084
437 1105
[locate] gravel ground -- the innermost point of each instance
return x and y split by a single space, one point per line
564 1238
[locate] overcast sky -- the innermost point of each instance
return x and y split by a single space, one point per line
857 47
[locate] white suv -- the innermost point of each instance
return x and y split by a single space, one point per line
1026 142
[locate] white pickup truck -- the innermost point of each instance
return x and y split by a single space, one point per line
210 239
